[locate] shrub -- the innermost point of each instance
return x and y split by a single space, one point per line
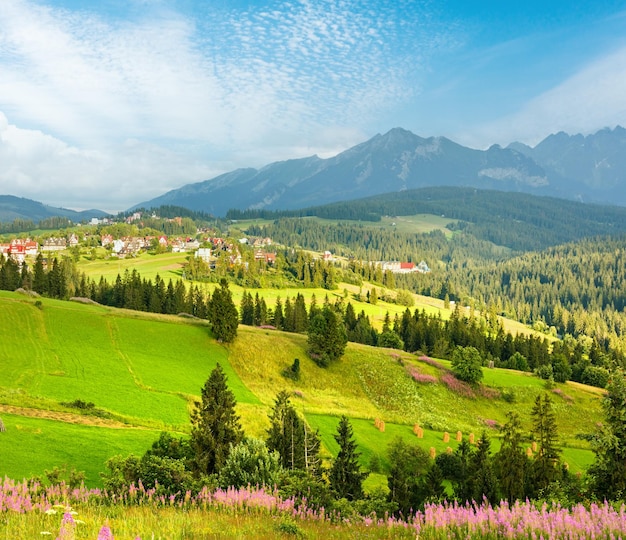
292 372
595 376
544 372
250 463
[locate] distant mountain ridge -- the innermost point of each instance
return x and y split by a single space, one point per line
400 160
12 208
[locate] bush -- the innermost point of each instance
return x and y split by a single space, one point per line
292 372
595 376
305 489
250 463
544 372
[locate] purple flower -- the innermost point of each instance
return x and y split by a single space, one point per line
105 533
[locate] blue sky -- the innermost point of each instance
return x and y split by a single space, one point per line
105 104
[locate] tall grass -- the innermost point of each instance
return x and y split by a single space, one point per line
31 511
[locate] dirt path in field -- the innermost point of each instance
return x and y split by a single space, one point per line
70 418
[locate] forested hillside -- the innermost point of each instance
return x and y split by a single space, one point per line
518 221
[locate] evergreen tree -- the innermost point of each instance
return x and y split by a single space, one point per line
462 479
608 473
511 462
296 444
408 464
223 313
278 315
433 487
288 324
300 315
482 478
345 475
40 281
57 287
327 338
546 461
247 309
215 426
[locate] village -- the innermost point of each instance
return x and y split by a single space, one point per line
204 246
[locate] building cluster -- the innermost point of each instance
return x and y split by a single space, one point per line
20 248
397 267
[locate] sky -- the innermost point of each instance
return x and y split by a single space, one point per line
110 103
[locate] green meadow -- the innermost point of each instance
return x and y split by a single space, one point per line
143 373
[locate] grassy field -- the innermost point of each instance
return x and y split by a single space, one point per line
143 372
167 265
170 266
416 224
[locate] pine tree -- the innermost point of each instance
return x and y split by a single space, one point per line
408 464
214 424
297 445
546 462
432 485
40 281
511 462
247 309
223 313
345 475
278 315
327 338
482 478
608 473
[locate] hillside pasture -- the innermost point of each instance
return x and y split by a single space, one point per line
51 443
144 371
166 265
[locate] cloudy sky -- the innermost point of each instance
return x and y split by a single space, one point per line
106 104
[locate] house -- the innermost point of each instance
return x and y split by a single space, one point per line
4 250
54 244
72 240
106 239
17 250
398 267
31 248
163 241
118 246
204 254
191 244
269 258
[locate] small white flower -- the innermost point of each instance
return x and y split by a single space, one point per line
45 533
50 512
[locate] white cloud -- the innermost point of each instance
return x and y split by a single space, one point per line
198 96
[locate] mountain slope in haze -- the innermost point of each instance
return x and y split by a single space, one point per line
400 160
12 208
395 161
591 168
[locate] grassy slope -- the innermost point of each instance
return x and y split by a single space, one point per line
146 370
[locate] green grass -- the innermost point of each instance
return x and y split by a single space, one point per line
51 443
167 265
72 351
416 224
145 370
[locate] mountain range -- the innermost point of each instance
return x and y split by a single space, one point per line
585 168
12 208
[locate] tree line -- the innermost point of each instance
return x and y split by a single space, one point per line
219 454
